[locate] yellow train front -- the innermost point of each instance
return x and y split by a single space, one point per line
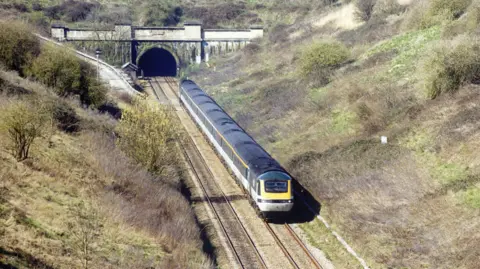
274 195
263 178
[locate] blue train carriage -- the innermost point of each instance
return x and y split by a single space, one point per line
263 178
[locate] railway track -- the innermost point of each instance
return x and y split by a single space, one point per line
294 250
245 252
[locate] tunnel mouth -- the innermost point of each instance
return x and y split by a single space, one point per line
157 62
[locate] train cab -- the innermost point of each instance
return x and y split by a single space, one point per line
274 189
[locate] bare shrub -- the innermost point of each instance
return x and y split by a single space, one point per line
85 227
213 15
124 97
23 122
364 9
18 46
65 116
278 33
71 10
389 7
251 49
36 6
144 201
451 65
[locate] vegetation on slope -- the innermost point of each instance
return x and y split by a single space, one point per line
412 76
69 196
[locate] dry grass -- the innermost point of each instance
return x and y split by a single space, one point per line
400 205
79 202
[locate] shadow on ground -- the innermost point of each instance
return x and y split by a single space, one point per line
305 209
20 259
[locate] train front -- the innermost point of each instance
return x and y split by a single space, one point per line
275 194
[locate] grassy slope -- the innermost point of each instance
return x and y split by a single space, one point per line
412 203
77 185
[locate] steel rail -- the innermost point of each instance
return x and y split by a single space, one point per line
227 201
281 245
287 226
303 246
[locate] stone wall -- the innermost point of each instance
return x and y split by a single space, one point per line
187 43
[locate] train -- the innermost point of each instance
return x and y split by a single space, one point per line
267 184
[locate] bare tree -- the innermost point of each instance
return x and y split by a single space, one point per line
86 227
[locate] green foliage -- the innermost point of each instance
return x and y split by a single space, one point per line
60 69
453 8
23 122
90 90
147 134
57 68
343 121
451 65
409 47
435 12
472 197
322 57
18 46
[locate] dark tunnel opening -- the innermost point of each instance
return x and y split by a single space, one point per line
157 62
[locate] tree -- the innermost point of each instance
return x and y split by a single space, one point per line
147 134
23 122
86 227
18 46
57 68
365 9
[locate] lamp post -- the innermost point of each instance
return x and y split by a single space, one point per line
98 51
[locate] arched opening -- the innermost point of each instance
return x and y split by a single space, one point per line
157 62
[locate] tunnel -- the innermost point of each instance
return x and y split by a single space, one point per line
157 62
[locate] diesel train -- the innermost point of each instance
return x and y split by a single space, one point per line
263 178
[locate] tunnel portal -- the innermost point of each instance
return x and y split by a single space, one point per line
157 62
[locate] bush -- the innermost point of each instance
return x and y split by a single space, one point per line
146 135
364 9
160 13
212 16
23 123
90 90
252 49
71 11
36 6
67 75
278 33
425 14
57 68
319 59
389 7
451 65
65 117
18 46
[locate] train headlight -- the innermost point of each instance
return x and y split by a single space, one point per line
259 200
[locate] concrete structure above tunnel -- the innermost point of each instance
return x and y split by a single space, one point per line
187 44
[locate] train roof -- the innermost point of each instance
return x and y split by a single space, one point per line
257 159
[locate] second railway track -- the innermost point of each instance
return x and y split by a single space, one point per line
240 241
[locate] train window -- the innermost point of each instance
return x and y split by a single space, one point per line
276 185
